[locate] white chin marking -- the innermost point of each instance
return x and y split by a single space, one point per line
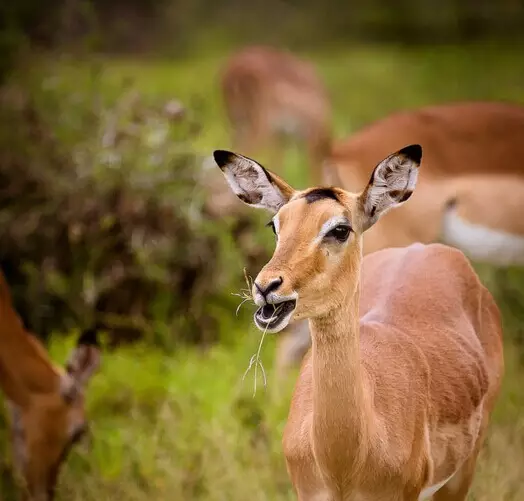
481 243
282 324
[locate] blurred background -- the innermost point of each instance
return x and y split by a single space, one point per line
109 112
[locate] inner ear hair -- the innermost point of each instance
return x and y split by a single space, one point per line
82 363
391 184
69 387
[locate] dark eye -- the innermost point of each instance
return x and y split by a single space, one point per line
272 226
340 233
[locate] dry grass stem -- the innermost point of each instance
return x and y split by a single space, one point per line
255 359
245 294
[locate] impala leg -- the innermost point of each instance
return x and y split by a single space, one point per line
458 487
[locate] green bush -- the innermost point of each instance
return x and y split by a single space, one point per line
105 220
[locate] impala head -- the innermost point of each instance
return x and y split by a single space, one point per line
318 233
44 431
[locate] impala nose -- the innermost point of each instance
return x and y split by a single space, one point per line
271 286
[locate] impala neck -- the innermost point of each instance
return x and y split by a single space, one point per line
341 408
24 365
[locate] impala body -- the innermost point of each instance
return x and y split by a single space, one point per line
269 94
393 401
45 403
470 193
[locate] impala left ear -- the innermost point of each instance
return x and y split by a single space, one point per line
252 183
391 184
82 364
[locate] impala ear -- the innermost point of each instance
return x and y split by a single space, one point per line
391 184
252 183
82 364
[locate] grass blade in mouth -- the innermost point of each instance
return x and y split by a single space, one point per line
255 359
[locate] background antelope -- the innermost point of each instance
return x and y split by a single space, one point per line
270 93
470 192
45 403
394 399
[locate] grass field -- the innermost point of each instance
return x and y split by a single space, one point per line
185 426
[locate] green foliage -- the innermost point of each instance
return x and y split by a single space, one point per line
105 220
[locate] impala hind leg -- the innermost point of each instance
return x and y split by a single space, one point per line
458 487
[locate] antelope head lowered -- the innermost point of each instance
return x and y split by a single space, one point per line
45 403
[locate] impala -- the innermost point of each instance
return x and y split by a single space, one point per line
45 403
270 93
470 193
394 398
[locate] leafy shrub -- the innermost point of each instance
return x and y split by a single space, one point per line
105 220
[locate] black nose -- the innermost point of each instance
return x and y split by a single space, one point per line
270 287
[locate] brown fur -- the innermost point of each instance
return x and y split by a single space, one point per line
472 155
46 404
413 365
263 89
406 360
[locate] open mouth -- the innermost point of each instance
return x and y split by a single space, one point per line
274 317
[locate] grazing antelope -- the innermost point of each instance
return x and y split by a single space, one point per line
470 193
394 398
269 93
45 403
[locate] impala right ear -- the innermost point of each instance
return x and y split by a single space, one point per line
253 184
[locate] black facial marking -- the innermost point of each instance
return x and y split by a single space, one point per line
320 194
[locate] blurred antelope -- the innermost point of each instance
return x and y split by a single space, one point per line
470 193
45 403
394 399
270 93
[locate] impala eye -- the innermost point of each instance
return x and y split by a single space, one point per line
271 225
340 233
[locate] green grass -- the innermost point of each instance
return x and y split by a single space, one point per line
185 426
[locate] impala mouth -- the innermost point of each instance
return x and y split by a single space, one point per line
274 317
